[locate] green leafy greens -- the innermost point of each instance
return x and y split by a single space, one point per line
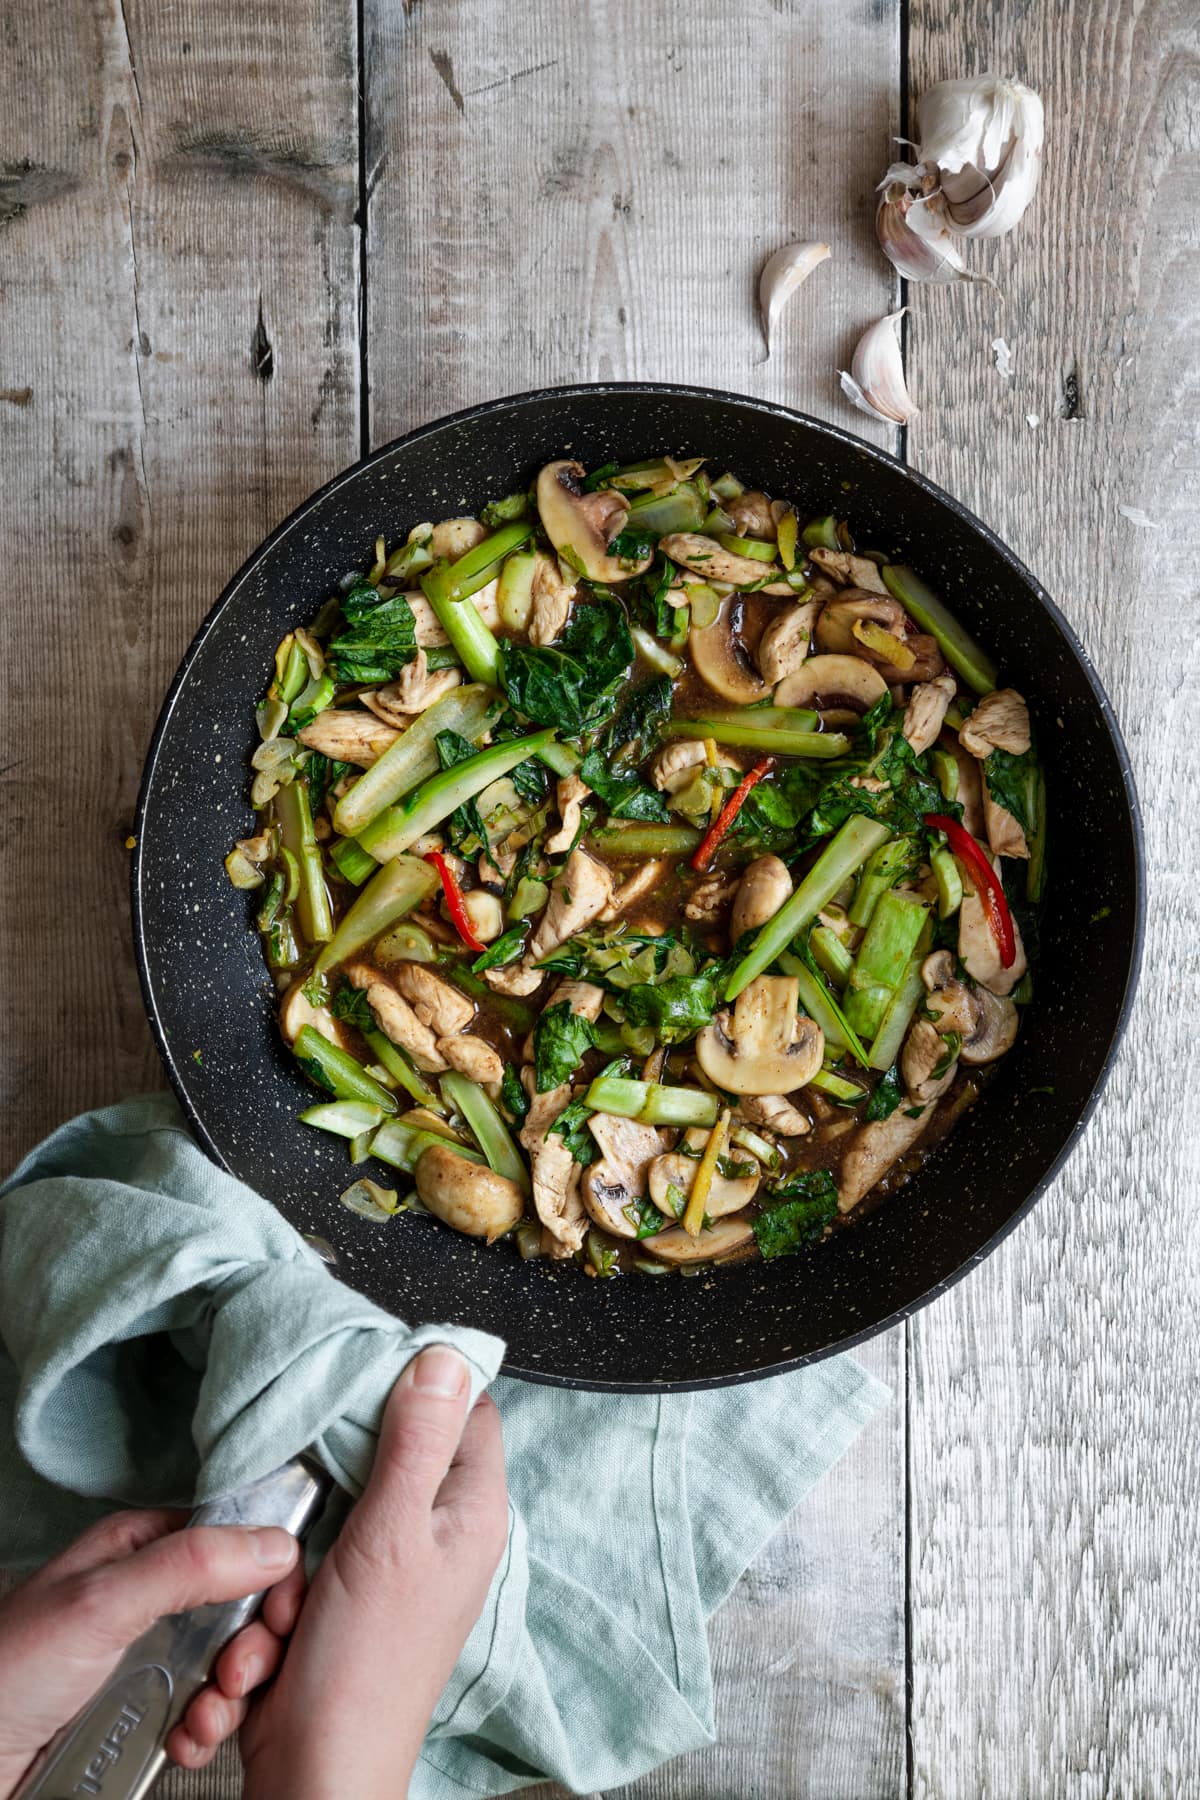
561 1039
350 1004
801 1208
379 639
674 1009
570 684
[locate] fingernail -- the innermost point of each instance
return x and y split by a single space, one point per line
441 1371
272 1547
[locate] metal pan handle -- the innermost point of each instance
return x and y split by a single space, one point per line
113 1749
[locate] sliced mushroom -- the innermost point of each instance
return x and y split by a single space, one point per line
832 682
835 628
442 1007
752 515
874 1149
926 712
704 556
849 570
978 950
452 538
674 1169
353 737
716 661
916 656
676 765
775 1113
786 641
619 1178
572 792
985 1022
999 722
950 999
396 1018
766 1046
296 1011
582 526
926 1052
467 1195
552 596
678 1247
762 890
995 1033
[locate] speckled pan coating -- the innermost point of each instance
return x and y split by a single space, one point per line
207 990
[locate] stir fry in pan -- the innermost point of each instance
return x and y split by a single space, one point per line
648 870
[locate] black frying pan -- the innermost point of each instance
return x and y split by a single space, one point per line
210 999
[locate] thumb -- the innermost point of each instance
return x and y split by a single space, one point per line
114 1604
422 1424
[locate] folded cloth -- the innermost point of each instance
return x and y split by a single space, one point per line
143 1362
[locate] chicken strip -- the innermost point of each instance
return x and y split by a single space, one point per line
579 893
556 1174
473 1057
874 1149
396 1018
443 1008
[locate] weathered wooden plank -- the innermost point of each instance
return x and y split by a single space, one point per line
589 194
178 368
1056 1552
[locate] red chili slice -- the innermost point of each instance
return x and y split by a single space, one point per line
460 918
728 813
986 881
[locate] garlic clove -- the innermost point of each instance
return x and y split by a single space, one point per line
781 276
875 382
914 238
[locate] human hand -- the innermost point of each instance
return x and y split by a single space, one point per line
393 1602
64 1630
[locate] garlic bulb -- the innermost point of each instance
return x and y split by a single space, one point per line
978 158
781 276
875 383
985 136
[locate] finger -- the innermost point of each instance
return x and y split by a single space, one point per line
212 1717
281 1607
475 1483
108 1540
422 1424
183 1749
248 1660
115 1603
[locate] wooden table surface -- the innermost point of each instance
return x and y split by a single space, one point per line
240 245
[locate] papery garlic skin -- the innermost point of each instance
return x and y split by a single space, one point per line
984 137
781 276
875 382
913 236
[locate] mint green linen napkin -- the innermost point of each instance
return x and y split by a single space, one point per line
165 1335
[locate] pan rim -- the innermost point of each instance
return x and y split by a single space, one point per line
932 491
